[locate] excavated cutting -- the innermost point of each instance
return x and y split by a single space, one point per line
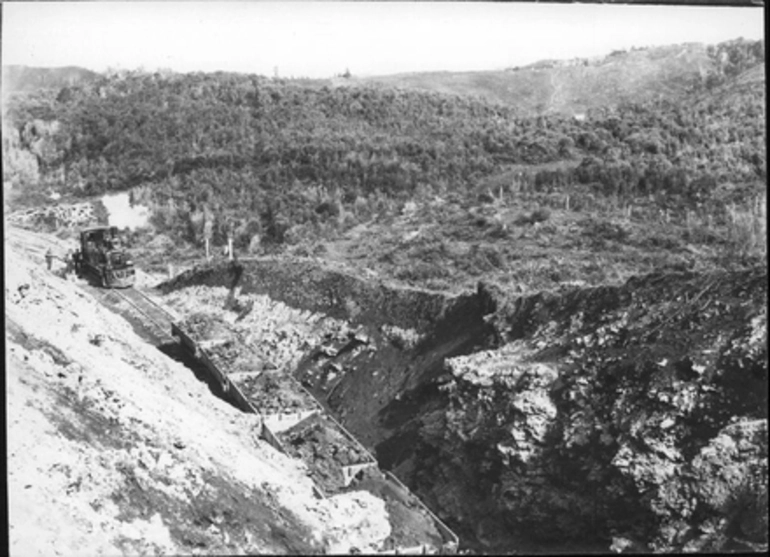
630 416
293 421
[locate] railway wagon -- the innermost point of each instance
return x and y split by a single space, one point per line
228 389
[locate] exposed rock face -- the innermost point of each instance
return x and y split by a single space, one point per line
30 151
37 136
20 166
635 413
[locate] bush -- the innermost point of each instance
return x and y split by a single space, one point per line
327 209
254 244
747 227
541 214
404 339
161 243
499 232
494 257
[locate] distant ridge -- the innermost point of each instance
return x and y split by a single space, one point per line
26 78
577 85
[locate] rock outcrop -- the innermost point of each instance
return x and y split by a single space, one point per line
636 413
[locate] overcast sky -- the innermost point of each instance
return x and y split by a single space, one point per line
321 39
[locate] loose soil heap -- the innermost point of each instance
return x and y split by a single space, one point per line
274 393
201 327
231 355
325 449
411 525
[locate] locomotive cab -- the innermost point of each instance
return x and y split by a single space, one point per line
103 256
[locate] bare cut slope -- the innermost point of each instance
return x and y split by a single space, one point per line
113 448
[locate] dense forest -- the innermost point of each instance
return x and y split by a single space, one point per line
263 155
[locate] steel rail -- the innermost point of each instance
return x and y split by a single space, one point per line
161 324
153 303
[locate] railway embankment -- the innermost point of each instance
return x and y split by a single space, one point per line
115 448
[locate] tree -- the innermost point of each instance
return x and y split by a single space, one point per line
208 231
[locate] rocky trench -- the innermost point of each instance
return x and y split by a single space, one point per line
627 418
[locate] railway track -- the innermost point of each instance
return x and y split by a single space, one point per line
152 317
154 323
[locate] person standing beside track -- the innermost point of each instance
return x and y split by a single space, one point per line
70 263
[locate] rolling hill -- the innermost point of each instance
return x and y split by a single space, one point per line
578 85
25 78
285 164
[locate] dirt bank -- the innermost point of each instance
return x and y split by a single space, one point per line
314 286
